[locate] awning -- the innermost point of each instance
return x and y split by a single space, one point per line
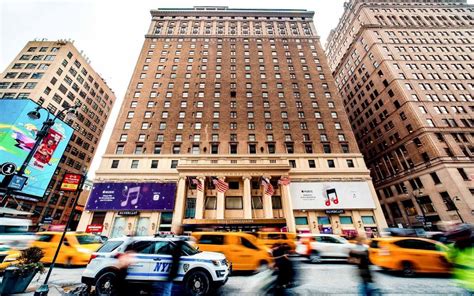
8 211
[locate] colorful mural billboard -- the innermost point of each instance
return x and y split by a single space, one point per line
17 138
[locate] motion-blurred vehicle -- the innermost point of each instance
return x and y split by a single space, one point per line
76 249
14 233
8 258
317 247
242 249
151 261
409 255
270 239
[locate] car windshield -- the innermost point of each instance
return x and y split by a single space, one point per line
189 250
88 239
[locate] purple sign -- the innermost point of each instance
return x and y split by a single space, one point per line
132 196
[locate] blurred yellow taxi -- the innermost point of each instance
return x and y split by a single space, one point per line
409 255
269 239
76 249
242 249
8 258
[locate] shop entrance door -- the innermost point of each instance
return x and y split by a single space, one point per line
142 226
119 227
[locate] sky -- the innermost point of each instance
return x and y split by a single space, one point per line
111 32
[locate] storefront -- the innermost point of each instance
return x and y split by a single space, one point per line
129 208
246 225
344 208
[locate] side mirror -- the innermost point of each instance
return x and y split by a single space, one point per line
66 243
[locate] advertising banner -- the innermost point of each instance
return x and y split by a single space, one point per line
17 137
331 195
71 182
131 196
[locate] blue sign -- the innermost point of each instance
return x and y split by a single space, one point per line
17 182
17 137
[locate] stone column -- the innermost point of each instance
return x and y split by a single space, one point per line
288 208
179 205
200 200
247 198
220 204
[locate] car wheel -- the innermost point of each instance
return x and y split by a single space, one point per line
197 283
106 284
407 269
315 257
263 265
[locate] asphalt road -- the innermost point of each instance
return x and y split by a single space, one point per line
328 278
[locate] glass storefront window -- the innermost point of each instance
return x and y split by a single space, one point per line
142 226
119 227
345 220
190 208
301 220
368 220
323 220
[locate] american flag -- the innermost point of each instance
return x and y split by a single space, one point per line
267 186
284 181
198 183
220 184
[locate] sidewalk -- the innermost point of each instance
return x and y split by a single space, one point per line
60 278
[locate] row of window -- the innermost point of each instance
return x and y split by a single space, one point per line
344 220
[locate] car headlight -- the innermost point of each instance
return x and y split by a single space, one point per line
216 262
84 250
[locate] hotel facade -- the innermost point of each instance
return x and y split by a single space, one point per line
232 122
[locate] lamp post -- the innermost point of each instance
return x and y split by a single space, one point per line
455 199
416 194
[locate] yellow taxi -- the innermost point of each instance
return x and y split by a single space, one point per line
242 249
269 239
76 249
8 258
409 255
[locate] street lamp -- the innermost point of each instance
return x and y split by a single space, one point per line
417 194
455 199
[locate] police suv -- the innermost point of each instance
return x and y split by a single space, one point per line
150 261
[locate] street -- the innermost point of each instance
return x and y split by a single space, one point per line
337 278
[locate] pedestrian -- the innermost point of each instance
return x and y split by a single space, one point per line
124 261
360 256
461 255
176 252
284 268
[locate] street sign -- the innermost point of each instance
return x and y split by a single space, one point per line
8 168
71 182
47 220
17 182
94 228
420 218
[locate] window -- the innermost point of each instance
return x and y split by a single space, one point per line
276 202
311 163
233 202
301 220
134 164
368 220
416 244
435 178
154 164
463 174
115 164
211 239
257 202
210 203
448 201
331 163
174 163
350 163
345 219
324 220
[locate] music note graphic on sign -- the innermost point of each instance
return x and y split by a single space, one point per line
331 196
133 195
